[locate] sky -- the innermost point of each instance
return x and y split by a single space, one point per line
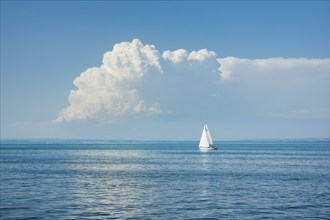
142 70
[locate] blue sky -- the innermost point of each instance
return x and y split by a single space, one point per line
273 80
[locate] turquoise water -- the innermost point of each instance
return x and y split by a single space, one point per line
164 180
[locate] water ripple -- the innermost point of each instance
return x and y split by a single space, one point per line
280 181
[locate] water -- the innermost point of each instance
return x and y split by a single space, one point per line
165 180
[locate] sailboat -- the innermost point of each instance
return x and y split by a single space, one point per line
206 142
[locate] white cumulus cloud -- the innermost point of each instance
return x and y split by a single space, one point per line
202 55
115 88
130 82
275 86
176 56
180 55
110 87
235 68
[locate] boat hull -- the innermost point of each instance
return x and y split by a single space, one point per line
208 148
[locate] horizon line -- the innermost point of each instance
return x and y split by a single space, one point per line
95 140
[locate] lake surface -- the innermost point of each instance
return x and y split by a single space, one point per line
165 180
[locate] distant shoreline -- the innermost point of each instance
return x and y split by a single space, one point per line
114 141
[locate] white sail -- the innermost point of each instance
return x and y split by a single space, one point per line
208 135
206 140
